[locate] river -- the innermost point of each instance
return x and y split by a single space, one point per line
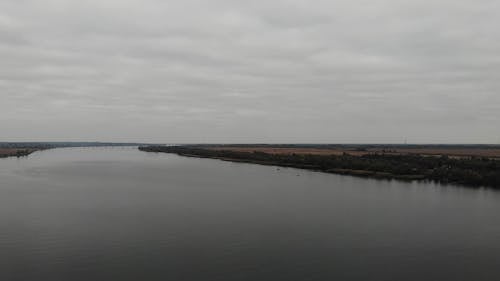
123 214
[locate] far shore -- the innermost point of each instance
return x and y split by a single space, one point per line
16 152
481 169
20 149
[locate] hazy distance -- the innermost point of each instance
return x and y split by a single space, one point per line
250 71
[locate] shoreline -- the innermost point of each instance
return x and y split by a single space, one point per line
471 172
16 152
348 172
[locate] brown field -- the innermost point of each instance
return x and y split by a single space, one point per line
8 151
282 150
459 152
453 152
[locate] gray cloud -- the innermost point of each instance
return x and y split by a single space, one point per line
250 71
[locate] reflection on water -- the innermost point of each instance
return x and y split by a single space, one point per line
122 214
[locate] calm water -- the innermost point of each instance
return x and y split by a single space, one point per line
122 214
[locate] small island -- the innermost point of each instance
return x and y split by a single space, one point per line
470 165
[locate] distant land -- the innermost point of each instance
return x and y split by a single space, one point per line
476 165
19 152
65 144
468 164
20 149
454 150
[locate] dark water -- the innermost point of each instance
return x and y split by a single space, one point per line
122 214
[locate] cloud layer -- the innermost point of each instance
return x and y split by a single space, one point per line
250 71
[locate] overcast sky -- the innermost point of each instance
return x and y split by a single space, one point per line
250 71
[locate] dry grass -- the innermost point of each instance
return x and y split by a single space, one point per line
454 152
461 152
8 151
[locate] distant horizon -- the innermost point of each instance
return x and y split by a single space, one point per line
249 143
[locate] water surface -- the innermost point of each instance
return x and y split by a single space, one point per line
123 214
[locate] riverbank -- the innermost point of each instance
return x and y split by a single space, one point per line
472 171
16 152
19 149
